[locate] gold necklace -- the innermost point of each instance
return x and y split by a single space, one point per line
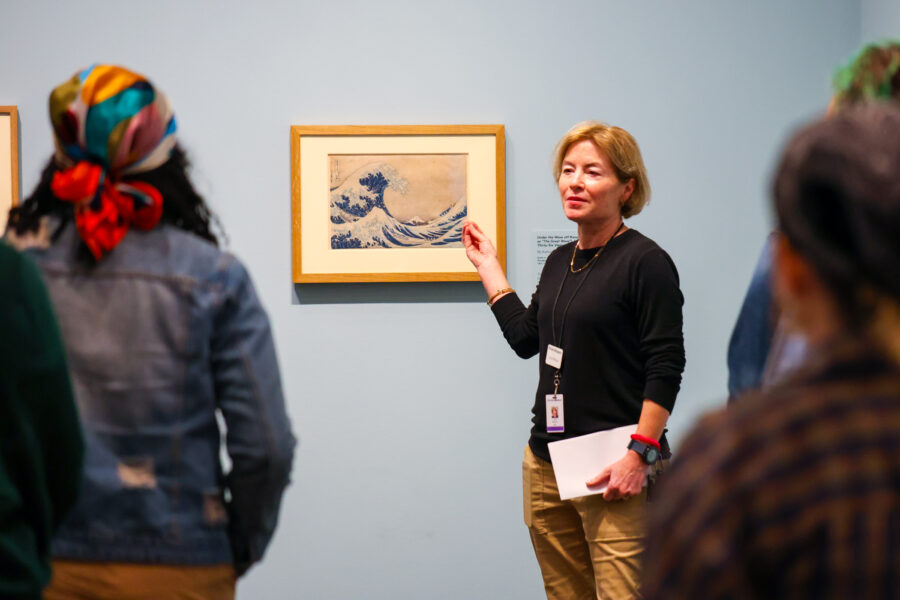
585 265
596 254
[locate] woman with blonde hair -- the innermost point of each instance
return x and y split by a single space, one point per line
606 322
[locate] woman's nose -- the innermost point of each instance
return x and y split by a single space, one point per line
577 180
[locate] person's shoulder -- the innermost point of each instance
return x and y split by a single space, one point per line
759 412
17 271
24 306
741 439
189 242
12 264
9 258
183 255
640 244
644 255
172 251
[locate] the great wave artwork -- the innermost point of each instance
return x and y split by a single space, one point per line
397 200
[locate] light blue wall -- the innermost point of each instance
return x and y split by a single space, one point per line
880 19
411 411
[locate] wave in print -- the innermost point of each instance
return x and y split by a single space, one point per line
360 219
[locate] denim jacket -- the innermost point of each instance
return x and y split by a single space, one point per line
163 335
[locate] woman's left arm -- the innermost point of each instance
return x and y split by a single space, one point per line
625 477
658 317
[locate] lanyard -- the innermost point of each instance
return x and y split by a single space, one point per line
557 341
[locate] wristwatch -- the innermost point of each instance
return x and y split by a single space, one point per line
648 453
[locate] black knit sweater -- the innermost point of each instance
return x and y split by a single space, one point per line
622 335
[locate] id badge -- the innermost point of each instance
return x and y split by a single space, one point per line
556 421
554 357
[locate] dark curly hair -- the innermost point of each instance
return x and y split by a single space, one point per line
183 207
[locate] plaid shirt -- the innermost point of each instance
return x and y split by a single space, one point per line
794 493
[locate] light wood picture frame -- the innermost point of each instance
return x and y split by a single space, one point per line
386 203
9 162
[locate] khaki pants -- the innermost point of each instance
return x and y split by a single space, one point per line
586 547
124 581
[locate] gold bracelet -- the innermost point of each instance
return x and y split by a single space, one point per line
497 293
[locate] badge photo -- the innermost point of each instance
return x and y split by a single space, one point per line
556 422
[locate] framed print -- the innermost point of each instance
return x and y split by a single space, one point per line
9 162
387 203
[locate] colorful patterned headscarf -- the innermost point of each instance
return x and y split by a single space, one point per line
109 123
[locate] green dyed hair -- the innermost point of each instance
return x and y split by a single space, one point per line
873 73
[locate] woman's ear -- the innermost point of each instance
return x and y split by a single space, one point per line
792 277
801 295
629 189
789 284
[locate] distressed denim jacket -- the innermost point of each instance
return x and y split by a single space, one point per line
164 334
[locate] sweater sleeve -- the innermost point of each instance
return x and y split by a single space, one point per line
659 322
50 397
518 323
42 443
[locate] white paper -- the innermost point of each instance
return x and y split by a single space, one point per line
579 459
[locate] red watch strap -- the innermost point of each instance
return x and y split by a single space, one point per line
646 440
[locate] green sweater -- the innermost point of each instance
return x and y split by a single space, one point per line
41 446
